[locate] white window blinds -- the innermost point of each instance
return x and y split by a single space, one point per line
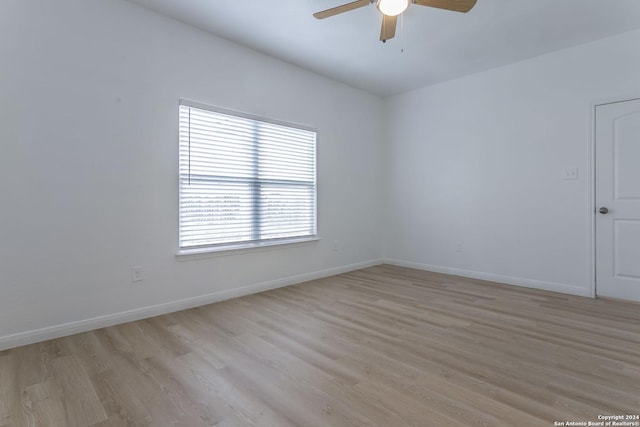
243 180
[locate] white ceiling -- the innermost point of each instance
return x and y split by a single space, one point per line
431 45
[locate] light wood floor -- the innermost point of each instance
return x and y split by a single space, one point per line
384 346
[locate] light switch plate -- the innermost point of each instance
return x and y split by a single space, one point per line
569 174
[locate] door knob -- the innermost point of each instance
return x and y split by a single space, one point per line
603 210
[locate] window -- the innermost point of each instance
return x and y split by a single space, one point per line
244 181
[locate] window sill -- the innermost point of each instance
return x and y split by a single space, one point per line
192 254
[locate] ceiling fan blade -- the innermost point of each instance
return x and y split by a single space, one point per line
341 9
455 5
388 30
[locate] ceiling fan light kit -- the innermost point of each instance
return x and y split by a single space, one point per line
390 9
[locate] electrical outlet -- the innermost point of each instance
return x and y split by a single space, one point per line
335 246
459 247
136 274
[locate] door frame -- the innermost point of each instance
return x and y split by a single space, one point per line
592 181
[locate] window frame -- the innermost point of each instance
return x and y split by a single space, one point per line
254 245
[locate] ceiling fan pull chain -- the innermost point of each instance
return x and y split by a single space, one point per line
402 33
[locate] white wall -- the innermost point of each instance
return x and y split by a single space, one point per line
478 161
89 95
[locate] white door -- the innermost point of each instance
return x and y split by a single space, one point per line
618 200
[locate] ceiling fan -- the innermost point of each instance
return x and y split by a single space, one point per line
392 8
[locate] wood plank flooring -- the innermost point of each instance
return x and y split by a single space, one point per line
384 346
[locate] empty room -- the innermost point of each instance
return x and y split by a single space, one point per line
320 213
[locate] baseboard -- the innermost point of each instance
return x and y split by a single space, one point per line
57 331
509 280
